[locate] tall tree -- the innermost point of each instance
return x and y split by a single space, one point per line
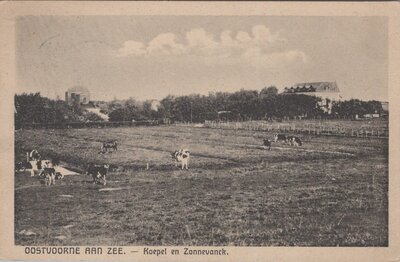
269 91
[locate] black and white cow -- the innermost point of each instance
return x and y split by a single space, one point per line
34 155
57 175
182 156
280 137
98 173
267 143
109 145
22 166
37 166
294 141
49 173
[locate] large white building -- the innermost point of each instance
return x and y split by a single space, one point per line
77 94
327 91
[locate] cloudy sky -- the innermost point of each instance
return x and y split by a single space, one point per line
148 57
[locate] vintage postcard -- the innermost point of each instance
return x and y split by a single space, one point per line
200 131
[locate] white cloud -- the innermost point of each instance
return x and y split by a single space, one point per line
253 47
226 39
293 55
165 44
263 35
256 57
131 48
243 37
200 38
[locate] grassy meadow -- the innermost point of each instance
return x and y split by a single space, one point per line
332 191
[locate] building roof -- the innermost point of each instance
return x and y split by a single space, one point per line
313 87
78 89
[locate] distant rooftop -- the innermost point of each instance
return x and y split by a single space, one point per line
313 87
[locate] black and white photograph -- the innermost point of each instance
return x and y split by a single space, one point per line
201 131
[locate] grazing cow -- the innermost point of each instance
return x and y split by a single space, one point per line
22 166
280 137
49 174
267 143
98 172
59 175
34 155
182 156
109 145
294 141
37 166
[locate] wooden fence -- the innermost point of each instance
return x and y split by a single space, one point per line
364 131
376 132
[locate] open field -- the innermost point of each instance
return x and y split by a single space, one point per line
331 191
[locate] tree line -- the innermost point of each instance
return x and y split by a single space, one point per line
266 104
242 105
34 109
356 107
239 106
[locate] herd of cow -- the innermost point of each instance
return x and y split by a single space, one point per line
43 167
291 140
46 168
